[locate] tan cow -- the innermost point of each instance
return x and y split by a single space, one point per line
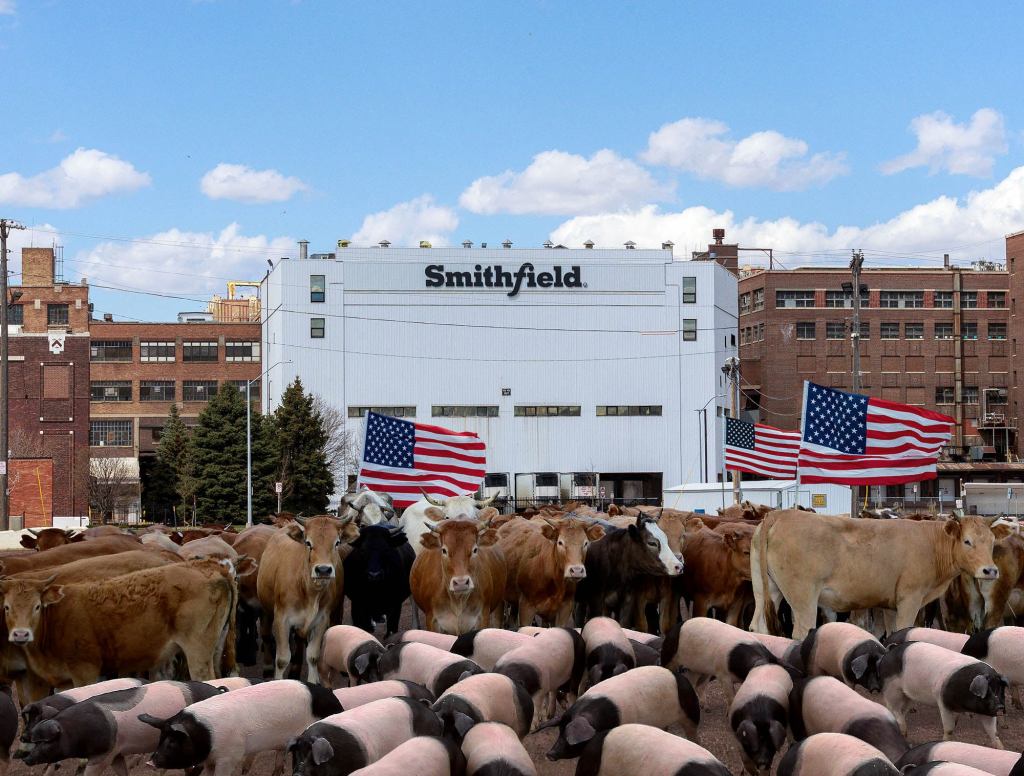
458 580
544 560
107 545
717 564
844 564
298 582
48 538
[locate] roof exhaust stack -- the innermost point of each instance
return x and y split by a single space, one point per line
719 235
548 244
668 245
588 244
468 244
303 250
506 243
945 261
630 245
384 243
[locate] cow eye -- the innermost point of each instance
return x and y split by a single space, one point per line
444 551
337 543
968 542
309 544
653 544
476 550
37 608
561 543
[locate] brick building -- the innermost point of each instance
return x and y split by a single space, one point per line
48 393
1015 269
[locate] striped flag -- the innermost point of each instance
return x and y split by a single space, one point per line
401 457
758 449
851 439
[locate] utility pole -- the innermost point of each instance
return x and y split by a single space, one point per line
6 226
855 264
731 369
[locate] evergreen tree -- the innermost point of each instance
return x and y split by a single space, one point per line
218 458
163 486
302 452
265 457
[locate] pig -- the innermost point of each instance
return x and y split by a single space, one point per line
485 698
645 655
551 661
423 756
785 650
435 669
998 762
944 769
485 646
350 697
919 672
844 651
646 751
651 695
1003 649
230 683
609 652
351 651
644 638
220 733
493 749
826 705
834 754
709 648
941 638
759 715
54 704
443 641
105 728
345 742
8 727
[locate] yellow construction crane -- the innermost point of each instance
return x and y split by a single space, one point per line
233 284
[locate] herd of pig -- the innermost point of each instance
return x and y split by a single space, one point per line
437 705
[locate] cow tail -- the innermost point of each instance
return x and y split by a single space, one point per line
771 616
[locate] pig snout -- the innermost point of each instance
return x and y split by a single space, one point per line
576 572
21 635
461 584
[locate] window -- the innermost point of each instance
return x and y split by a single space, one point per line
943 298
944 331
890 331
463 411
835 330
805 330
758 299
156 390
794 299
744 303
865 330
16 314
844 299
110 350
56 315
969 331
202 351
901 299
997 331
968 299
151 352
759 333
110 433
996 396
689 329
546 480
394 412
242 351
970 394
495 480
913 331
547 410
110 390
944 395
689 290
317 288
997 299
628 409
254 391
198 390
316 327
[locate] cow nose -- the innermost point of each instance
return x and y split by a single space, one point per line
324 571
374 576
21 635
576 572
461 583
677 568
990 572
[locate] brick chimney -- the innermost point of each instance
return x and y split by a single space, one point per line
37 267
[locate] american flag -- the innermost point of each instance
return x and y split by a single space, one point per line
401 457
852 439
758 449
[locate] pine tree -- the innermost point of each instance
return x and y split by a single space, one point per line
265 458
218 458
302 458
163 486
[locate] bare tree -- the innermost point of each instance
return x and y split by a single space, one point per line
112 482
342 443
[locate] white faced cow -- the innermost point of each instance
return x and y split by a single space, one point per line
367 507
416 521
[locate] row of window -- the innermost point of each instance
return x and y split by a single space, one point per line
521 410
807 330
56 314
164 351
947 395
887 299
162 390
749 334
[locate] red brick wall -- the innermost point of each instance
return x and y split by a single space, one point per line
1015 268
31 491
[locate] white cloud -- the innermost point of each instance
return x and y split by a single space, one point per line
960 149
7 7
244 184
179 261
409 222
559 183
766 159
84 175
57 136
955 225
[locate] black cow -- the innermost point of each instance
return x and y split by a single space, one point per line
377 576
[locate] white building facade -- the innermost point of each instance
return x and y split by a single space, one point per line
583 370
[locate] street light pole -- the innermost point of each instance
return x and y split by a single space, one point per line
731 369
5 229
855 265
248 443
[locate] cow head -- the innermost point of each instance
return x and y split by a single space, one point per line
737 538
176 748
972 542
377 550
24 601
48 538
367 507
674 526
463 507
459 542
572 538
654 555
324 538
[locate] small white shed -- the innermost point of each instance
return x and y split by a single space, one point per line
708 497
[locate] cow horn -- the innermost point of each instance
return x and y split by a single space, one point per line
300 520
486 502
483 526
346 520
432 527
431 499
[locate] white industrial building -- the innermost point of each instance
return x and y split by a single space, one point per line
582 369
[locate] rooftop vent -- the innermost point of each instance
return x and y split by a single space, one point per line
483 245
548 244
719 235
668 245
588 244
630 246
425 244
468 244
303 249
344 243
108 317
384 244
506 243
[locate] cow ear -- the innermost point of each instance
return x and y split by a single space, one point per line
488 538
52 594
952 527
979 686
152 721
579 731
595 532
693 525
487 514
29 542
361 663
430 540
322 751
731 538
614 510
397 537
245 566
296 532
549 531
434 513
859 665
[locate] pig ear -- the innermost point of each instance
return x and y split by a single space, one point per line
322 751
979 686
361 663
859 665
46 731
620 668
152 721
579 731
746 730
463 723
778 734
465 675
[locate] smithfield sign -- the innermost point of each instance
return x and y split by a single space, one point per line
496 276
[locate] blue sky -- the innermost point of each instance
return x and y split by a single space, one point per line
208 136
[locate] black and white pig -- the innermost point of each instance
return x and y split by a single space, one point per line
759 715
645 654
229 683
785 650
486 646
221 732
435 669
485 698
52 705
651 695
919 672
422 756
835 754
351 651
609 652
1003 649
443 641
106 728
350 697
998 762
940 638
826 705
844 651
938 768
8 727
551 661
346 742
493 749
646 751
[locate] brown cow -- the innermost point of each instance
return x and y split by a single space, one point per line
543 562
45 559
717 564
458 579
48 538
208 547
299 580
126 625
745 511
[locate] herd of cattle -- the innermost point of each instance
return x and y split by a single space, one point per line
605 626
